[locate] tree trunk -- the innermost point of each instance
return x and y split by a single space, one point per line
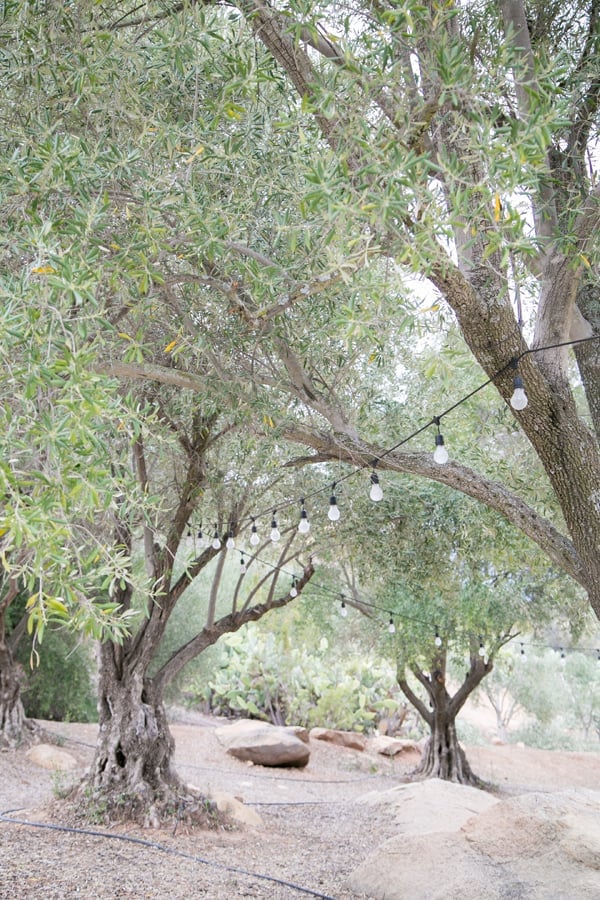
131 775
12 714
443 757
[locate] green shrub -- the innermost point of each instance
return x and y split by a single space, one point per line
60 687
261 676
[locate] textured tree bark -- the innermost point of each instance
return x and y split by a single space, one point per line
131 776
12 714
443 757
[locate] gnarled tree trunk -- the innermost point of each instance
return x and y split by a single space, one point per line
12 714
443 757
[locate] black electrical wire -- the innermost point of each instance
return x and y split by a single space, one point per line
154 845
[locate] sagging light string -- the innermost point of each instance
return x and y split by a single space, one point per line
518 401
437 639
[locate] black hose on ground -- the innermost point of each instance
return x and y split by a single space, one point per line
154 845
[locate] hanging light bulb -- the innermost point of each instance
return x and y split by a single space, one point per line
437 639
200 538
254 538
481 650
343 609
519 399
563 658
334 510
391 626
275 533
440 454
523 656
304 524
294 589
230 540
216 542
376 493
243 567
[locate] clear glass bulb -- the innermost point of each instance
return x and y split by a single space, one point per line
294 590
254 538
376 493
216 543
392 627
481 650
437 641
243 568
334 510
230 542
275 533
440 454
201 540
523 656
343 610
519 399
304 524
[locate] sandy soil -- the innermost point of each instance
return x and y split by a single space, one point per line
313 835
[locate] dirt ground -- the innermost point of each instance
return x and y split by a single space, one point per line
313 832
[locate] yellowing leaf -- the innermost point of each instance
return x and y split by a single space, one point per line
114 246
268 421
197 152
125 336
433 308
585 260
497 207
43 270
170 346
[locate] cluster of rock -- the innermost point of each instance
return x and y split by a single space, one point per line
281 745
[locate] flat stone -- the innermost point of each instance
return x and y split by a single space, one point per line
349 739
50 757
235 809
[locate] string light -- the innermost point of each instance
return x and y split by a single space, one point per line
275 533
243 566
230 540
481 650
563 658
294 587
437 639
254 538
376 493
304 524
200 537
334 510
391 626
440 454
216 542
519 399
366 603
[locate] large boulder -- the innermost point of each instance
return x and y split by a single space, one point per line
263 744
430 806
538 846
349 739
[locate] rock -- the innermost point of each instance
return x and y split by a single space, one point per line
349 739
389 746
50 757
263 744
235 809
538 846
430 806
